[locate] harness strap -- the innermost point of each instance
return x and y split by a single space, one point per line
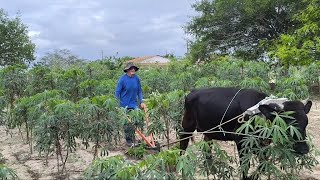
225 112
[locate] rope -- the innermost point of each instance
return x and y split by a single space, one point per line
225 112
235 133
241 116
197 133
240 119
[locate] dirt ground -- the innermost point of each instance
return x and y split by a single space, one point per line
30 166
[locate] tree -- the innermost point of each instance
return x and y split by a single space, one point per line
199 51
15 44
302 46
61 59
241 27
14 83
113 62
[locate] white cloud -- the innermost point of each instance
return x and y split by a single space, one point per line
33 34
134 28
99 16
42 43
166 23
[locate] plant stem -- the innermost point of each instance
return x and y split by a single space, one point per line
27 128
96 144
65 160
31 144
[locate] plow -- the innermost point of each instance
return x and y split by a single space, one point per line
149 140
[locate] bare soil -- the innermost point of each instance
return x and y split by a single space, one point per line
16 155
28 166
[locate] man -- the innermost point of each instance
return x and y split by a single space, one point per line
129 92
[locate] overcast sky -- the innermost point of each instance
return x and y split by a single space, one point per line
86 27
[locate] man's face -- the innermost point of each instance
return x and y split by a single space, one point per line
131 71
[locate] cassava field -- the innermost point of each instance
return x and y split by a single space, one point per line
65 123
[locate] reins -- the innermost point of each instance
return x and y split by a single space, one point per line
225 112
240 119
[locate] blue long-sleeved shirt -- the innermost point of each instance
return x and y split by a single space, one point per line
128 91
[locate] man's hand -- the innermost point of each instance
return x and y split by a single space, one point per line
143 106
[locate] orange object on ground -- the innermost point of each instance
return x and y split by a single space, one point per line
150 141
147 139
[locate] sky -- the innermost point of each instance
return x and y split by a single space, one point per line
115 27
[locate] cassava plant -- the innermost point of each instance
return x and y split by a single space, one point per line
55 125
157 166
165 113
57 129
3 108
255 83
206 160
21 116
137 152
99 122
229 70
184 80
168 164
105 168
214 161
88 86
156 80
134 117
28 110
276 160
13 83
291 83
312 76
43 74
293 88
7 173
204 82
106 87
254 69
72 79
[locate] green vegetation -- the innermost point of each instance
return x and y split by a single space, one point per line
273 161
271 46
287 30
78 103
15 44
5 171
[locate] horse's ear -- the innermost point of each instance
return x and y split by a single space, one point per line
307 107
267 110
